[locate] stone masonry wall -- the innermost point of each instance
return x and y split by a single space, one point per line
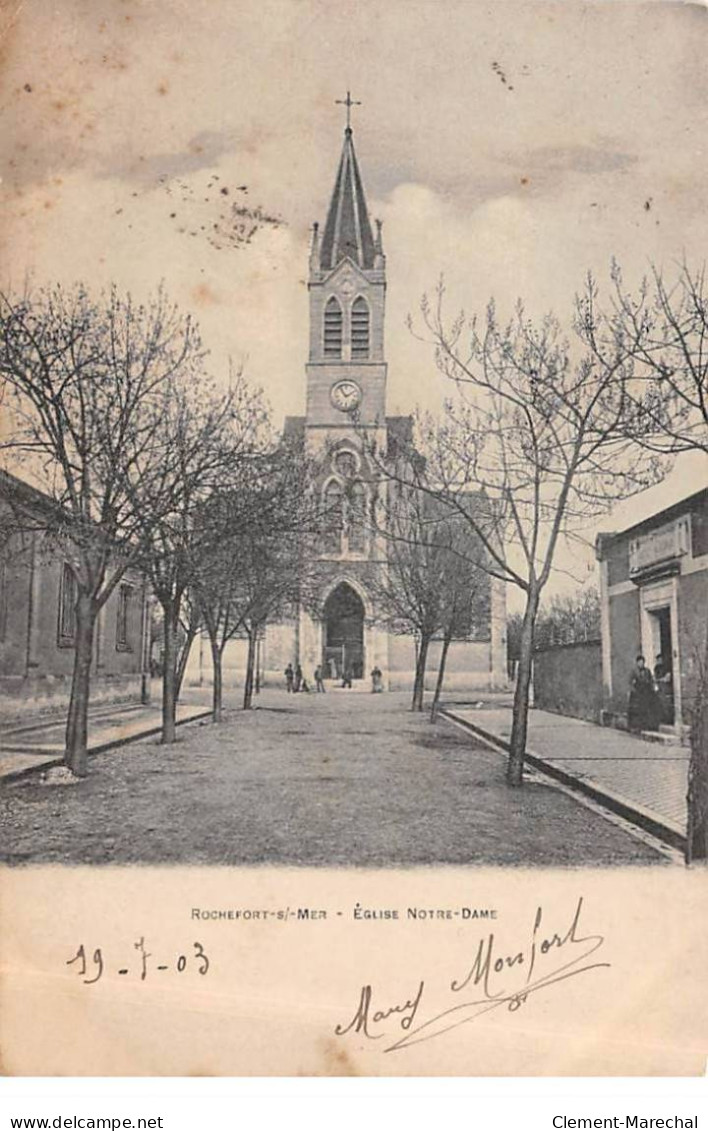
568 680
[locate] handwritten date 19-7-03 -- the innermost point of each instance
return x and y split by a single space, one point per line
90 966
491 980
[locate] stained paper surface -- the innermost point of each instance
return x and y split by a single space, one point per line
116 115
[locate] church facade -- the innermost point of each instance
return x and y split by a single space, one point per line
340 627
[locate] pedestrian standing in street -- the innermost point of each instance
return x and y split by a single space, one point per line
376 679
347 677
319 682
298 678
642 709
289 675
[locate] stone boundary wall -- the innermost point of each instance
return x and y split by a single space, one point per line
568 679
21 700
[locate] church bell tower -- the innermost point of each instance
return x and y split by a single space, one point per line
346 371
346 393
341 627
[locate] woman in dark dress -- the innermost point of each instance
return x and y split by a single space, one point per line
642 709
664 690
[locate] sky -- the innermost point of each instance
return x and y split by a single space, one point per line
510 147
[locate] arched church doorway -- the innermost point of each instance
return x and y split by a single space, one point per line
343 633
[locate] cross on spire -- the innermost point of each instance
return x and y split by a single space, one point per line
348 102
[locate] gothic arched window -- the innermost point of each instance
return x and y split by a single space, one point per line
345 463
333 517
357 517
333 329
360 328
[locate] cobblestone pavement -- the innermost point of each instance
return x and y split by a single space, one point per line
336 779
648 774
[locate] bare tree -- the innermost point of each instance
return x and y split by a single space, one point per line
213 434
665 329
254 570
268 584
188 628
190 622
408 587
89 382
215 592
570 618
467 601
427 585
539 428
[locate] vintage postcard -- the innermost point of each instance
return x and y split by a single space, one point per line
353 538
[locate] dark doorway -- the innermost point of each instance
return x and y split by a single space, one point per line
662 663
343 633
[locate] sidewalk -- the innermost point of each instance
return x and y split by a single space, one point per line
645 782
24 749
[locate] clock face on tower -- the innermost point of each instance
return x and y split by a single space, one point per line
345 395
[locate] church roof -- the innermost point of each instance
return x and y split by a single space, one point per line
347 232
294 428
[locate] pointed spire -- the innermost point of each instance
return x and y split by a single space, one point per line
379 257
347 232
315 247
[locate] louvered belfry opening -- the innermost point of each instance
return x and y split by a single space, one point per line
360 329
333 329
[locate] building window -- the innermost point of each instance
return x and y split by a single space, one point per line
356 526
333 329
67 605
345 517
333 517
346 464
360 329
125 593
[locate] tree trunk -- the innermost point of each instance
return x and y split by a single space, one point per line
248 686
441 678
519 726
217 682
697 830
169 679
419 682
76 747
183 659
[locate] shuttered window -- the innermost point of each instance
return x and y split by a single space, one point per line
125 593
360 329
67 605
333 329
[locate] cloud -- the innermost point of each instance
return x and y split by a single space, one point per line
201 152
583 159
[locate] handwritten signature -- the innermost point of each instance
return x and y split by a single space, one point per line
488 975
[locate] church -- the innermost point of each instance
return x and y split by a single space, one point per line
342 630
341 626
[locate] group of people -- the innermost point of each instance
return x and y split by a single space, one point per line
295 680
650 695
